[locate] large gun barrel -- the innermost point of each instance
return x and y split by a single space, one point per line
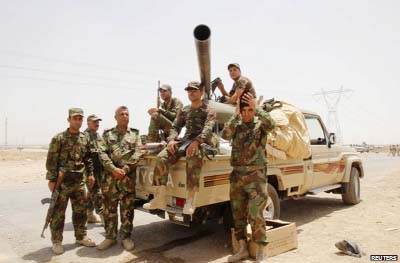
202 35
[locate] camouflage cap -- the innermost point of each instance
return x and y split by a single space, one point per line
93 117
236 65
75 111
165 87
193 85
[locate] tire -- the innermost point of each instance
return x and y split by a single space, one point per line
273 209
352 196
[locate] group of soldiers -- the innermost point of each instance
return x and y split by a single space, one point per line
107 164
394 149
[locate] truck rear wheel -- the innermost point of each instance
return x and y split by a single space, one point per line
352 196
273 208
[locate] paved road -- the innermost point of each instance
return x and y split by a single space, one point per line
157 240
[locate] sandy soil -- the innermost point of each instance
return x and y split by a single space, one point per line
321 221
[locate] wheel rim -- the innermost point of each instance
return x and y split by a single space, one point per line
269 210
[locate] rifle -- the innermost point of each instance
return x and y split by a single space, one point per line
53 201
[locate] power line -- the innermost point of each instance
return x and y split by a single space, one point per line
332 99
85 64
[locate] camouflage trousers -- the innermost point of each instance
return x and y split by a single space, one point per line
193 168
120 192
158 123
94 197
248 195
72 188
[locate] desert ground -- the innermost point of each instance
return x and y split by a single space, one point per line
321 221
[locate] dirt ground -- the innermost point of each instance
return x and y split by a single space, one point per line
321 221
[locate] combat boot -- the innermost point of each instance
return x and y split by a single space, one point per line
188 208
85 241
91 218
57 248
242 252
128 244
107 243
158 201
261 256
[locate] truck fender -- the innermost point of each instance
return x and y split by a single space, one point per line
352 161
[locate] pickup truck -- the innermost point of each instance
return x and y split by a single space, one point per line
331 168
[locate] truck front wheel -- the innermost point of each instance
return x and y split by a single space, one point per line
352 195
273 208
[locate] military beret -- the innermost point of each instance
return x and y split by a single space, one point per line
75 111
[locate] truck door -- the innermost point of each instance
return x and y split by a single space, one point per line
324 171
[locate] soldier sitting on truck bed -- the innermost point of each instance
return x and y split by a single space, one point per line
241 83
199 120
163 117
248 189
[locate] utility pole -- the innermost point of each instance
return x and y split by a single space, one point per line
5 134
332 99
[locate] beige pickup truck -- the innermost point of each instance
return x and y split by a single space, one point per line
331 168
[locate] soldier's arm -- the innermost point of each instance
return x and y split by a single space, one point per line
171 113
230 126
104 155
177 125
267 122
89 168
52 159
208 126
135 158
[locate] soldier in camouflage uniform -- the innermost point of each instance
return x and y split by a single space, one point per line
162 118
120 156
240 84
69 156
199 120
94 197
248 129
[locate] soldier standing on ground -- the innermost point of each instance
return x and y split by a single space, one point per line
69 156
163 117
94 197
240 84
120 156
248 129
199 120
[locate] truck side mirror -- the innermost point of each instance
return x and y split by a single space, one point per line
332 139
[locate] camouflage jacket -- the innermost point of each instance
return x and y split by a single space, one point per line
119 150
95 142
68 153
171 108
248 139
199 123
243 82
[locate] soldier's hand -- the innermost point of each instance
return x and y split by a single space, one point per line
91 181
118 173
192 149
171 147
152 111
249 99
51 185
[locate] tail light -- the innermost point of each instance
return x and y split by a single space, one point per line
180 202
